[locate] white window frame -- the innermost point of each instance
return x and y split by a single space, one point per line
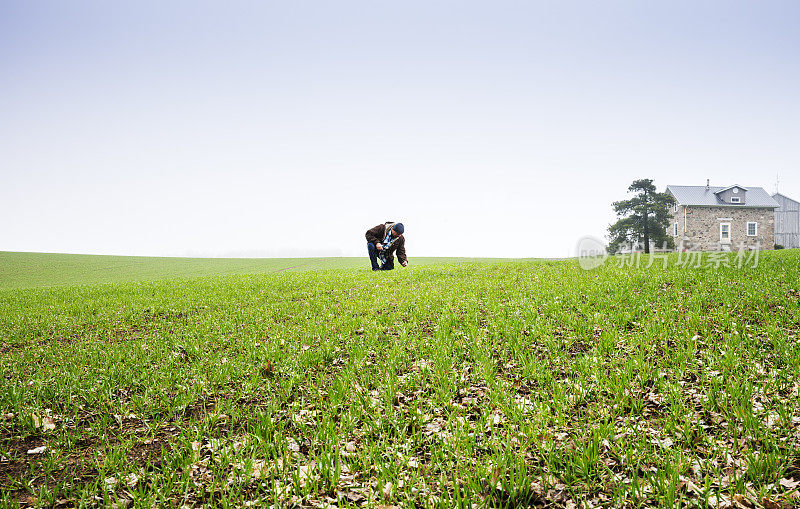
676 228
736 199
675 207
721 237
755 223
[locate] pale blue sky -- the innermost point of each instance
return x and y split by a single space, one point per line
279 129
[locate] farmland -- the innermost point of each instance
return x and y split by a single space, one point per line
501 384
35 270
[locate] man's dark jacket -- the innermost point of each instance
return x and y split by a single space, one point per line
378 233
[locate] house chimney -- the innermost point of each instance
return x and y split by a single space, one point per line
708 184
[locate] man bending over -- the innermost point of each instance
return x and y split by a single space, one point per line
382 241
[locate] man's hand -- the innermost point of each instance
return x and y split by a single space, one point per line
379 246
404 264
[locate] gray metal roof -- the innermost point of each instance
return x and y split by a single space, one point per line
707 196
784 197
731 187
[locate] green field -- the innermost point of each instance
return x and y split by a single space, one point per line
33 270
450 384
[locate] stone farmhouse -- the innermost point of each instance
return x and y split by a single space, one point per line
711 218
787 221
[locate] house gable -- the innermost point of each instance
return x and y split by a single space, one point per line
733 195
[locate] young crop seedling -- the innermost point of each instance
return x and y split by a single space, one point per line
496 383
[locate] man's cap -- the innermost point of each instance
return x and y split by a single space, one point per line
399 228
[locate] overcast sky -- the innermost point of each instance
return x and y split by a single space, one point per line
491 128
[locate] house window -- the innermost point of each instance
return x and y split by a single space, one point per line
736 199
676 228
752 229
675 208
725 231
